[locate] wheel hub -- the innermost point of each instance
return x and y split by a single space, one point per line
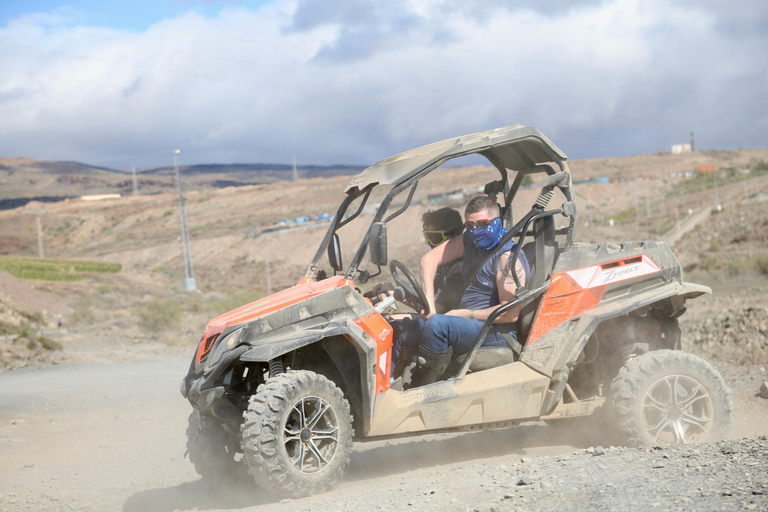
311 434
674 413
677 410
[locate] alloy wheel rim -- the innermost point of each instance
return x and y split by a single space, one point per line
311 434
677 410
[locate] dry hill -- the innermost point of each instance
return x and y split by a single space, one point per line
141 232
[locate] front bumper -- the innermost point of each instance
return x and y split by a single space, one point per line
203 393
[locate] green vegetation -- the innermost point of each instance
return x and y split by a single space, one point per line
714 245
50 269
761 263
710 262
706 180
735 267
49 344
625 216
29 336
6 329
158 315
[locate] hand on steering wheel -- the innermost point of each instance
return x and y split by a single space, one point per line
414 294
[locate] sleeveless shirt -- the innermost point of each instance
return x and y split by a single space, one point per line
482 292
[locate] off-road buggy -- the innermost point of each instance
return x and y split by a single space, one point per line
284 385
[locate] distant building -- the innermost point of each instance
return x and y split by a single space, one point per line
679 149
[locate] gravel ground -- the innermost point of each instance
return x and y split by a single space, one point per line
105 437
728 475
111 437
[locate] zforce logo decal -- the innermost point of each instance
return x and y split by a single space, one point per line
575 292
608 273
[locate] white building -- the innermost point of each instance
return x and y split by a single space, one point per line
679 149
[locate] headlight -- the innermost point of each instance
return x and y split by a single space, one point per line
224 345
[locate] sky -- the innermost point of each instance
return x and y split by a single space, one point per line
121 84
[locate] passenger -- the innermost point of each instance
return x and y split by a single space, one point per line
443 336
438 226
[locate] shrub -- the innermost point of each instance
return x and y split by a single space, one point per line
158 315
35 317
737 267
625 216
714 245
83 315
6 329
710 262
761 263
49 344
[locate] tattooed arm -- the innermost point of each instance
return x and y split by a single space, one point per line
507 288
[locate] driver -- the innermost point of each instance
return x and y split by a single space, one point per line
444 335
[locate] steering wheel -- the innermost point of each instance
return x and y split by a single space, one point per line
413 292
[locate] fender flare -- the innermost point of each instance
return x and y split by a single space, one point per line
579 330
270 347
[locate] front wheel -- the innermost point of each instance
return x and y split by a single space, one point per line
212 451
670 397
297 434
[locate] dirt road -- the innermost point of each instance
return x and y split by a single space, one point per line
106 437
111 437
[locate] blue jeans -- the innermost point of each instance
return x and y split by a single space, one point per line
440 333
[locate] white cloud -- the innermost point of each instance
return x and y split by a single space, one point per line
357 83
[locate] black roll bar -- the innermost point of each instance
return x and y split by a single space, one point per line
530 218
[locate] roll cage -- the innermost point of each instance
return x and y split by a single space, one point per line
522 149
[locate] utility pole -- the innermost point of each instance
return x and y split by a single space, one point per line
295 171
188 282
135 183
693 148
39 238
266 271
717 196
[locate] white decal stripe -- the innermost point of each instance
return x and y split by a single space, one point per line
591 277
583 276
614 275
383 362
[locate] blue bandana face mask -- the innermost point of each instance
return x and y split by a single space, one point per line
488 237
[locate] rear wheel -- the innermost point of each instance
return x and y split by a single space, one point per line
297 434
670 397
212 451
